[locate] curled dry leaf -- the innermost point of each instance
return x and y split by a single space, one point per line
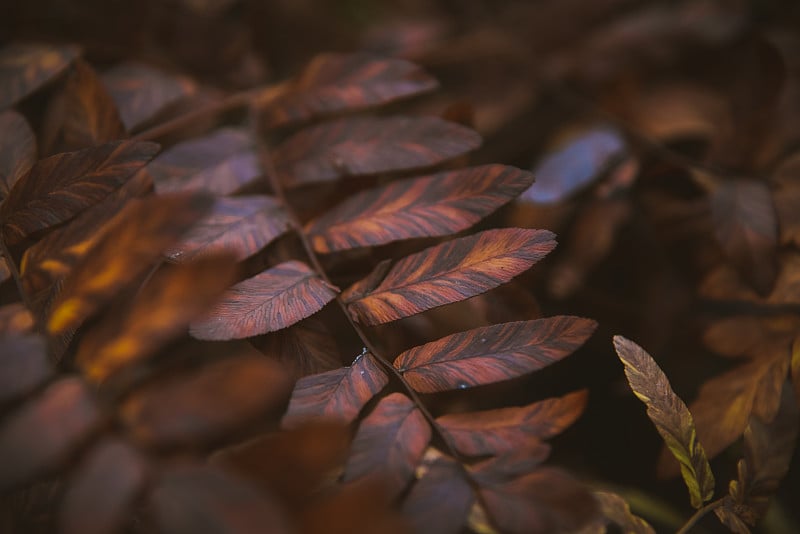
24 68
269 301
333 83
44 433
129 244
450 272
240 226
205 404
17 152
431 206
219 163
370 145
103 490
492 353
389 443
59 187
504 430
440 500
160 311
25 366
338 394
670 415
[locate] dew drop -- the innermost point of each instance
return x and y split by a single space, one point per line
462 385
483 340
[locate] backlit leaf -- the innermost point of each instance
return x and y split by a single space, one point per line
219 163
269 301
670 415
25 366
492 353
41 435
504 430
333 83
370 145
17 151
389 443
26 67
59 187
436 205
746 226
338 394
142 92
129 244
161 310
450 272
240 226
103 490
440 500
207 403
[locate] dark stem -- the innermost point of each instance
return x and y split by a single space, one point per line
699 514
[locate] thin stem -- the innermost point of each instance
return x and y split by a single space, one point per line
699 514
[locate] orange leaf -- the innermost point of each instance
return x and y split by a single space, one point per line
492 353
450 272
437 205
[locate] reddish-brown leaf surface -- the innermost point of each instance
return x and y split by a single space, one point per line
440 500
219 163
192 499
338 394
450 272
41 435
240 226
617 511
129 243
269 301
545 501
436 205
205 404
511 465
305 348
15 320
370 145
83 114
17 151
59 187
26 67
142 92
25 366
160 311
103 490
746 226
504 430
5 270
389 443
492 353
333 83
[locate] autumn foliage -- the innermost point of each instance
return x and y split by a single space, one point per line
311 300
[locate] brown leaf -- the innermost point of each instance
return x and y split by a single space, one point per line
205 404
747 228
103 491
15 320
129 244
370 145
305 348
240 226
338 394
40 436
514 464
17 151
504 430
492 353
192 499
26 67
389 443
142 92
437 205
161 310
545 501
59 187
333 83
5 269
25 366
670 416
269 301
219 163
450 272
440 500
615 509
